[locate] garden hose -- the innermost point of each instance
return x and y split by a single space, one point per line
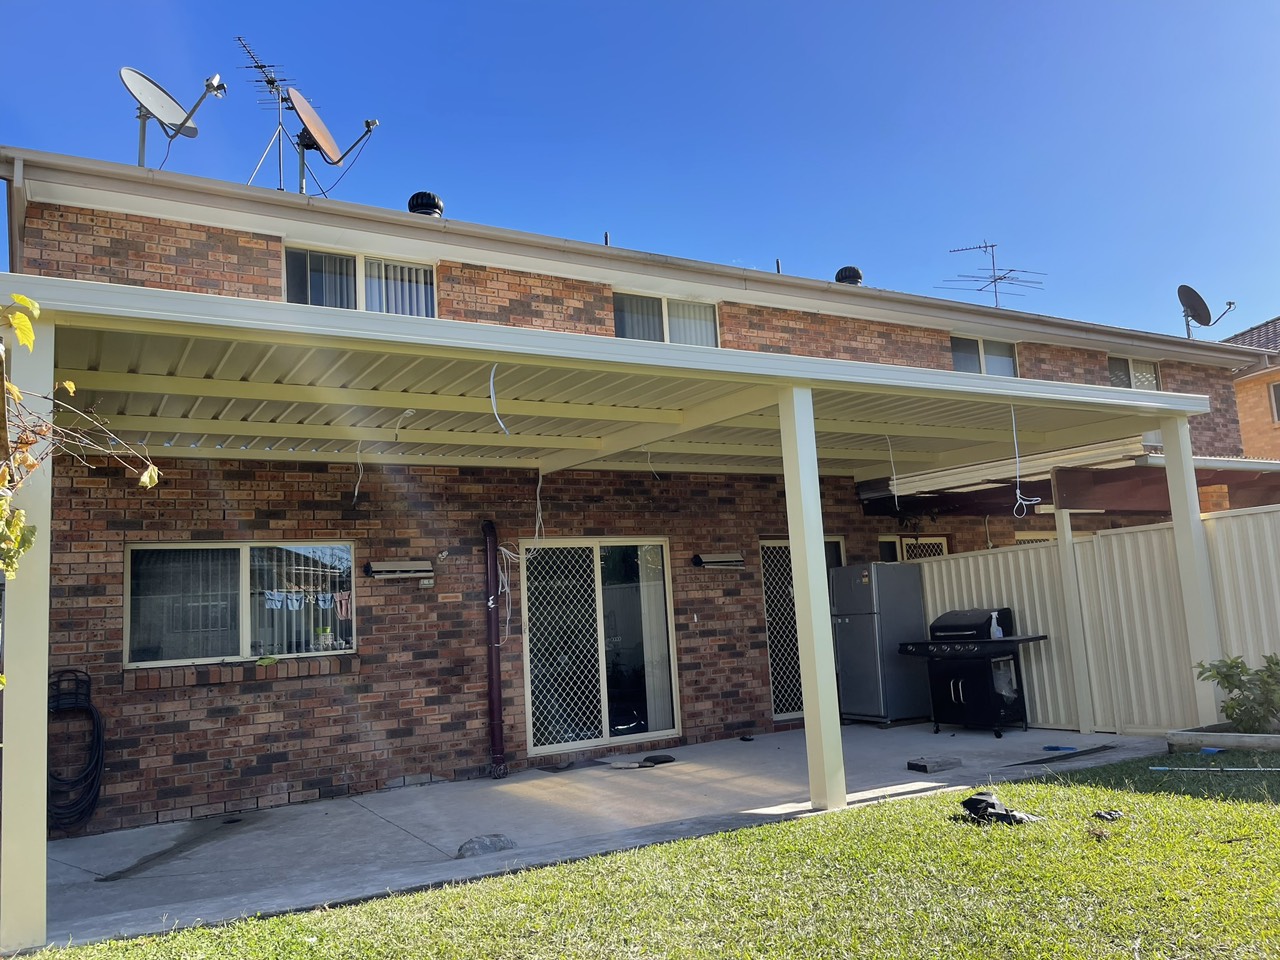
73 799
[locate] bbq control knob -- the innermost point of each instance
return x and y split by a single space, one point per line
933 648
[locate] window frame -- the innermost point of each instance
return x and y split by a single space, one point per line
244 599
899 540
666 316
362 277
1129 362
982 355
1274 390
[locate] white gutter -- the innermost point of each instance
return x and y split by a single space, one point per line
334 224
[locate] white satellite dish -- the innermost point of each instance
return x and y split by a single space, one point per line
156 103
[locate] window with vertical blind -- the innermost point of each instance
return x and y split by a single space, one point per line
227 602
662 319
357 282
994 357
1133 374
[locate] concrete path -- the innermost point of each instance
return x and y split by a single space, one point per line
156 878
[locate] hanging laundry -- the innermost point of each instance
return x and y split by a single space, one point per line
293 600
324 600
342 604
274 599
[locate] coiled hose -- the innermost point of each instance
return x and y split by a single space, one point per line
73 799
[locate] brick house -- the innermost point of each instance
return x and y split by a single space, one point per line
1258 392
326 386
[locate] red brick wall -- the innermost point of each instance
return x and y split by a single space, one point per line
1259 431
489 295
1045 361
1216 433
79 244
770 330
411 702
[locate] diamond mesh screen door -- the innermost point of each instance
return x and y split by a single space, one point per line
922 548
564 645
780 630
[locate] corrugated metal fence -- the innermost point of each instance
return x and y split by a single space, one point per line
1139 664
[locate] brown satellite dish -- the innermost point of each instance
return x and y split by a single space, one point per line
313 127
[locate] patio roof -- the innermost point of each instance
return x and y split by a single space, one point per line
199 376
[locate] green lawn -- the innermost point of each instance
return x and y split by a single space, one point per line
1192 870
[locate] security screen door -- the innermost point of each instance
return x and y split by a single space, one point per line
598 652
780 623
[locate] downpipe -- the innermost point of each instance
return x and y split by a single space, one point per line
492 591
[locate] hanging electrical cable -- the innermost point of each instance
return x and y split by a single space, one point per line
893 472
73 799
1021 503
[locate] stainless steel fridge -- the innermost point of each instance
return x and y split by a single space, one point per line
874 607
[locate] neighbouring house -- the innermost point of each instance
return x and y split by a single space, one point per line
1258 392
435 494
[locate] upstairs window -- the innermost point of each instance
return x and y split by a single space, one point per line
993 357
1133 374
661 319
1275 402
334 280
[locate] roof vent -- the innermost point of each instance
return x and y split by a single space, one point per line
850 275
427 204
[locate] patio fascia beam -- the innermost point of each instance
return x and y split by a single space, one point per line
883 428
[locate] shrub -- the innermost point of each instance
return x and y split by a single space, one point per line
1252 703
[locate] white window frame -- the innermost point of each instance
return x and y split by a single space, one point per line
666 317
595 543
982 353
361 276
245 600
1274 390
1129 361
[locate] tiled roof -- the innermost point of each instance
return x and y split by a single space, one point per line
1264 335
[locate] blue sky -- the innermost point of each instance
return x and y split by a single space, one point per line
1121 148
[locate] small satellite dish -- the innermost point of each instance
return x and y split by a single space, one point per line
314 128
156 103
1194 308
316 136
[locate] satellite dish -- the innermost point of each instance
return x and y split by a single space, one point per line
316 136
313 127
1194 308
156 103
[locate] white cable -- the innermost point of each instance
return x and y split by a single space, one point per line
894 471
493 399
1021 504
649 458
360 476
506 558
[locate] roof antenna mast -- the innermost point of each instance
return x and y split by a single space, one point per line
271 91
1009 276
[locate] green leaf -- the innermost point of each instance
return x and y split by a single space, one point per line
149 477
267 661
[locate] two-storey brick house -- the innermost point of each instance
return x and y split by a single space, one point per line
326 386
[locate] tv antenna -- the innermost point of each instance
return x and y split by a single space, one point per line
1194 308
155 103
314 135
1009 276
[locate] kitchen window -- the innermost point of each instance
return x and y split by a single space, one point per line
1133 374
638 317
994 357
192 604
357 282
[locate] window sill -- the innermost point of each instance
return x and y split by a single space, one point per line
238 671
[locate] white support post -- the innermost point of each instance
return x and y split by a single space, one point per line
1074 610
1199 606
823 743
25 756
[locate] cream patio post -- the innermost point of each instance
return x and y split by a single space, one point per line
823 744
1195 574
25 757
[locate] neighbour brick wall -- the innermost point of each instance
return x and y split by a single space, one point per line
1259 431
78 244
490 295
411 702
771 330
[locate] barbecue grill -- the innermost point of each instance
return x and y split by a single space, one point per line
975 679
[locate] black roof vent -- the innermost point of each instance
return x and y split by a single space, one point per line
850 275
427 204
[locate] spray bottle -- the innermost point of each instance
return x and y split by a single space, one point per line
996 632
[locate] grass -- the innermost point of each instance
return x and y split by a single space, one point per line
1190 871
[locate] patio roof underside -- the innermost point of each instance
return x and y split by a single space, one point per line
283 382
